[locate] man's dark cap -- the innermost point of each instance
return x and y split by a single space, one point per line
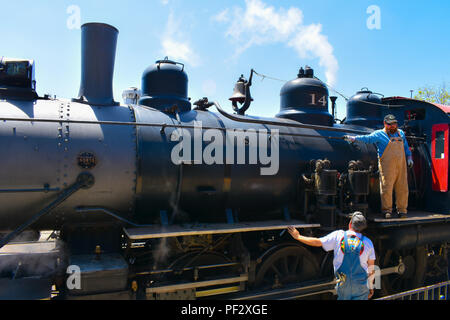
390 119
358 221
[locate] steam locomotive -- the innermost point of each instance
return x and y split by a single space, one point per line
161 198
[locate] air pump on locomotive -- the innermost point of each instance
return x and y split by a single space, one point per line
127 221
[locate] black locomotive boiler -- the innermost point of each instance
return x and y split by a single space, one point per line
166 199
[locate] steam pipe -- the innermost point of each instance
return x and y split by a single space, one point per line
333 106
284 124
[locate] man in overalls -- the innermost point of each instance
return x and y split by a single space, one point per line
354 258
393 155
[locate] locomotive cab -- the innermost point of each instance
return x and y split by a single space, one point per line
17 79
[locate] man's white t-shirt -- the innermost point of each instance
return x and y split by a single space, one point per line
335 241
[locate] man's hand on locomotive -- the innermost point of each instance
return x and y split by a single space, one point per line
294 233
349 138
410 162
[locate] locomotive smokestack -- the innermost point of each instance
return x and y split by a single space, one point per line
98 51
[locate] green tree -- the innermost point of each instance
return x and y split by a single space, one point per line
434 94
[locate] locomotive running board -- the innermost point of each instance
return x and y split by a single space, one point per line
158 231
414 217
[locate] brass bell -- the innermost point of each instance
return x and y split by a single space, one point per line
239 91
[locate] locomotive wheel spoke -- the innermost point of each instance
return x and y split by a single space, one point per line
295 264
285 265
274 268
288 265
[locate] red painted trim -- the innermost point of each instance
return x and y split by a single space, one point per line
439 168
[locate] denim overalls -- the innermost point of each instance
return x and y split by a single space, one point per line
353 277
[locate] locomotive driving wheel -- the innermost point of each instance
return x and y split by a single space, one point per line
287 265
413 268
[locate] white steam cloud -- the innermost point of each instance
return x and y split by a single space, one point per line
260 24
174 47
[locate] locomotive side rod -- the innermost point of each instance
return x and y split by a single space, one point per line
84 181
297 292
288 293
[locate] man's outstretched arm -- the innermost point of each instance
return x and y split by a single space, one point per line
370 138
310 241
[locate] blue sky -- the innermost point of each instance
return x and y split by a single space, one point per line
220 40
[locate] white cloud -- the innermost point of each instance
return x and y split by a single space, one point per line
174 47
165 2
178 50
263 24
260 24
310 42
222 16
